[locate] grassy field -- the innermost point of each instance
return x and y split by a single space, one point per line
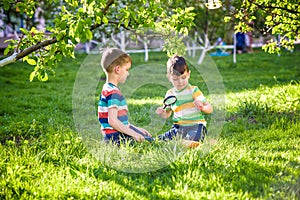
257 155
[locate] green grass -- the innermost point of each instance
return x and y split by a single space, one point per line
257 155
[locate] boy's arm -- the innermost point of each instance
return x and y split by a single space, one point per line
200 101
119 126
143 131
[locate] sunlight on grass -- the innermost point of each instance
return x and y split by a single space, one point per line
139 158
145 101
277 98
257 156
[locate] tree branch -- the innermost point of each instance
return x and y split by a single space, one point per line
29 50
274 7
35 47
8 60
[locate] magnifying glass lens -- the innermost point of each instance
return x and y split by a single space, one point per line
170 100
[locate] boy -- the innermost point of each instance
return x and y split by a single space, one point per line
112 107
188 120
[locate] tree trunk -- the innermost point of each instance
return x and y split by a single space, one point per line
146 50
206 48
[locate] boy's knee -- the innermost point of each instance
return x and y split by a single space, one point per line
169 135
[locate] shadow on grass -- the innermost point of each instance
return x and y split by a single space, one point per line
244 176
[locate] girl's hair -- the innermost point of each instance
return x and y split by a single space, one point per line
176 65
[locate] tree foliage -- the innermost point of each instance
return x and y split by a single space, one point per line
76 20
207 21
279 17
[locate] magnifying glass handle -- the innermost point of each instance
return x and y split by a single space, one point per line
164 106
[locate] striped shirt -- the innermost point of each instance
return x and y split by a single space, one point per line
111 96
185 113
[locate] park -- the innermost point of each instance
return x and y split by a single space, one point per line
50 135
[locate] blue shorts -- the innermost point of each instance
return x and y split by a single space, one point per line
195 133
118 137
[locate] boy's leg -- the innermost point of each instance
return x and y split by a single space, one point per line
195 135
112 138
201 133
117 138
170 134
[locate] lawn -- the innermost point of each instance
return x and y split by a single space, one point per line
44 154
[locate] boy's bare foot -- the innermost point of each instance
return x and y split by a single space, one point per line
194 144
190 143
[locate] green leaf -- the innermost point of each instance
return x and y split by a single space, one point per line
6 51
81 10
89 34
227 19
42 75
24 30
32 75
31 61
104 20
60 35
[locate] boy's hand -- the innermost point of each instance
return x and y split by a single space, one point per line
138 137
144 131
160 111
198 104
163 112
204 107
139 133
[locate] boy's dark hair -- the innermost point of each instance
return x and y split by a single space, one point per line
177 65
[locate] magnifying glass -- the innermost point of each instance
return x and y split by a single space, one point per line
170 100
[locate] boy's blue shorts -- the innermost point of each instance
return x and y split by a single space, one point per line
196 132
118 137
